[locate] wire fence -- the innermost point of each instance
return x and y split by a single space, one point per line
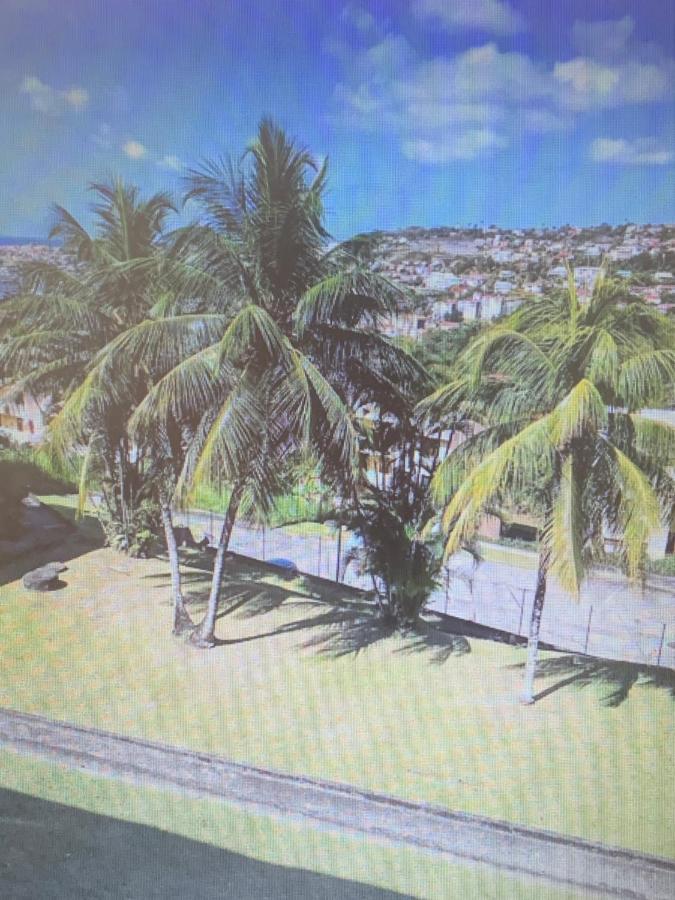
612 620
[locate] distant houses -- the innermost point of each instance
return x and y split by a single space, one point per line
24 418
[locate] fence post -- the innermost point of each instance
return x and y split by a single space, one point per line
339 553
522 610
588 628
318 564
447 588
663 635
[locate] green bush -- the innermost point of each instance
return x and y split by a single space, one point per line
665 566
139 535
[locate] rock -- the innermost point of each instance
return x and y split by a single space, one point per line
46 578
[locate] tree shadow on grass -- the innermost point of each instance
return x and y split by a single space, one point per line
439 645
351 631
49 535
579 672
340 626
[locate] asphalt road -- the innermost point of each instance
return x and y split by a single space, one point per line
550 857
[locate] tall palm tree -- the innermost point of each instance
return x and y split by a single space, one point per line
53 330
558 389
285 333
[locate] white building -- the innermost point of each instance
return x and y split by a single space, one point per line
23 419
586 276
440 281
504 287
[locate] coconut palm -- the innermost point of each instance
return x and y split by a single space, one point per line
557 390
53 330
280 341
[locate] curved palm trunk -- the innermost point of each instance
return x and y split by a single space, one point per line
535 623
181 617
205 636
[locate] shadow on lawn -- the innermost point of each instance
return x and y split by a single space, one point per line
340 626
49 535
620 677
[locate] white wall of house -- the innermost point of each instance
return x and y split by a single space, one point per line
23 419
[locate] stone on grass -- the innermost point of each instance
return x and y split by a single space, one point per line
46 578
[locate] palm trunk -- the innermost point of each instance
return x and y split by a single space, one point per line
535 624
205 636
181 617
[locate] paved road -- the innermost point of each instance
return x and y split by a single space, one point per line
553 858
612 618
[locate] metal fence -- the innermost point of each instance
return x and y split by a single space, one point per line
613 619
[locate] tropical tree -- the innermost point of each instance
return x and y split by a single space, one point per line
282 342
387 513
556 392
53 330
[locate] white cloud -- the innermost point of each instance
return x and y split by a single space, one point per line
455 145
604 39
585 84
137 151
102 136
45 99
170 162
134 150
493 16
619 151
358 17
76 97
484 90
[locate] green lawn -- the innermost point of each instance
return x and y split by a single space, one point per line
407 718
512 556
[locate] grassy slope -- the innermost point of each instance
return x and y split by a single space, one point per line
273 840
100 653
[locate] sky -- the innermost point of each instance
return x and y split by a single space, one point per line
431 112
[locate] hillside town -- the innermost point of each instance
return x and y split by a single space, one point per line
15 254
456 275
451 275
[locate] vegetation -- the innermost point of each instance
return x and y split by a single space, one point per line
23 471
53 331
557 389
283 345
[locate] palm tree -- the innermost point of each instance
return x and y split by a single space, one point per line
557 390
284 332
54 329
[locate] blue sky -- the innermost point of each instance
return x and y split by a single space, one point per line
515 112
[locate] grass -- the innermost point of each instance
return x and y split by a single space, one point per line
30 470
290 690
286 843
509 555
304 504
